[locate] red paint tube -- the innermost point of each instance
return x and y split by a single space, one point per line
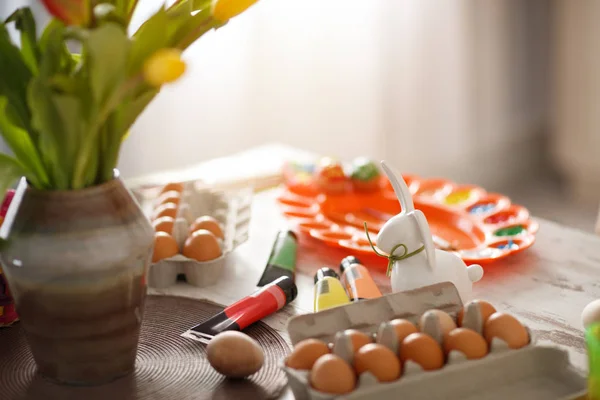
267 300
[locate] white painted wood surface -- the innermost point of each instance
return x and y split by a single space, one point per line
547 286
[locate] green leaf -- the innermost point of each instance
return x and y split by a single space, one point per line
121 122
185 29
106 55
58 118
150 37
10 171
25 23
55 57
15 78
20 143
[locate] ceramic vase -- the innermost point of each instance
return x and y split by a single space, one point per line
76 263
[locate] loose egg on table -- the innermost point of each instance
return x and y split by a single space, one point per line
234 354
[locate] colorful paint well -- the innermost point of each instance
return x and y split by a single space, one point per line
510 245
501 217
510 231
458 197
482 208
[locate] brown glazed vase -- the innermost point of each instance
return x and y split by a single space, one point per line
76 264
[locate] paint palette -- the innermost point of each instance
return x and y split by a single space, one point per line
479 226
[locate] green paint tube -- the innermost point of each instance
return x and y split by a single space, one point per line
282 261
592 338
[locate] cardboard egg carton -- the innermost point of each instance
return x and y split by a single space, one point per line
231 208
531 372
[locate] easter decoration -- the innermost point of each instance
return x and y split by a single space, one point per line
423 343
329 201
196 228
68 98
413 260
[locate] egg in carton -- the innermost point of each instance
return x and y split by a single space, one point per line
230 208
529 372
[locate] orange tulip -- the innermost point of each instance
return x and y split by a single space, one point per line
71 12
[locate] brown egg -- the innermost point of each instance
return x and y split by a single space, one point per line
202 245
467 341
234 354
507 328
486 310
163 224
403 328
164 246
378 360
176 186
423 350
166 210
172 196
358 338
331 374
305 354
446 321
210 224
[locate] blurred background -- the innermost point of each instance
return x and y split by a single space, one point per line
500 94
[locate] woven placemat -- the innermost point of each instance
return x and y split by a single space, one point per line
168 366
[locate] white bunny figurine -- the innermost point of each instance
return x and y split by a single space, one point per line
415 262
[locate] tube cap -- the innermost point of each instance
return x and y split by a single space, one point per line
288 286
325 271
348 261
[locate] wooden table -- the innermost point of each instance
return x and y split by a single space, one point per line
546 286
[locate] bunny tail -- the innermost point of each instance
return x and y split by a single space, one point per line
475 272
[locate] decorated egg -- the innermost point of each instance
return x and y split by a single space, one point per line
330 176
365 175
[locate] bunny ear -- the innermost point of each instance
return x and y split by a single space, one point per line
400 188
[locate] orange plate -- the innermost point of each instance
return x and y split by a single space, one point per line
479 227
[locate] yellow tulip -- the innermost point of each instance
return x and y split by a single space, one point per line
223 10
164 66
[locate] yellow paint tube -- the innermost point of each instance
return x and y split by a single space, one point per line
329 291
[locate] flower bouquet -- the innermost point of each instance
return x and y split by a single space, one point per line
75 246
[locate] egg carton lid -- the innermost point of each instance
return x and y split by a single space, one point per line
367 315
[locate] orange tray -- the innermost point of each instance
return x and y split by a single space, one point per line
480 227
